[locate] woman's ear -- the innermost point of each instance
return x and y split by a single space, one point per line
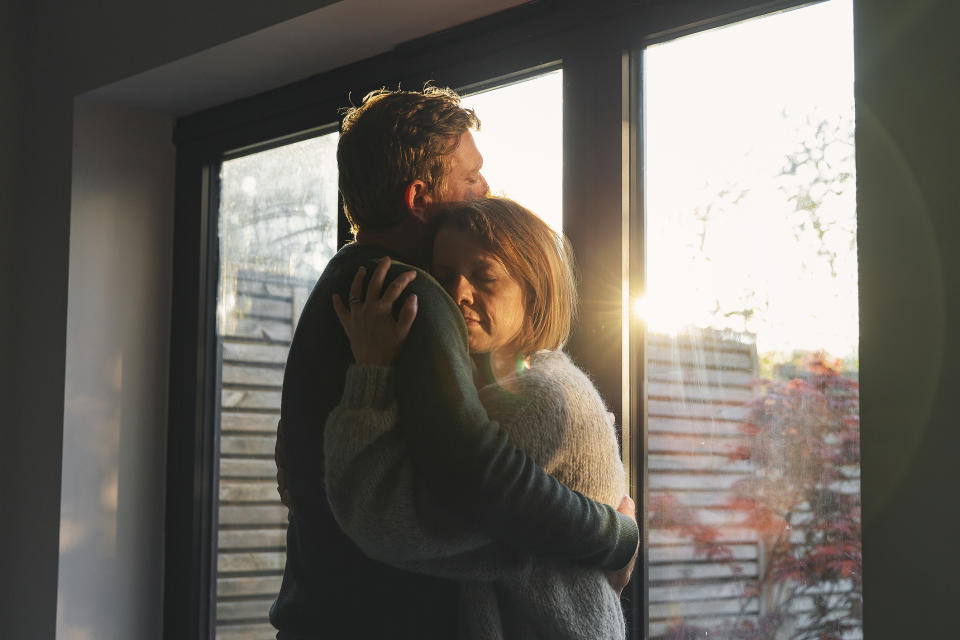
416 198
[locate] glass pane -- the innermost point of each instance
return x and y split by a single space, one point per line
753 507
521 139
278 229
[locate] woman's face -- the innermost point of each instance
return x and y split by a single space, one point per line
490 300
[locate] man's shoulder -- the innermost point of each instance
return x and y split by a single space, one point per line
423 284
349 258
353 256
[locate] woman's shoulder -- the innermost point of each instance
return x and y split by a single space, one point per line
555 366
553 373
550 383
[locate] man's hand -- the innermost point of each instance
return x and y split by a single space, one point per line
619 579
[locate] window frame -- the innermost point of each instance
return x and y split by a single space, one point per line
599 48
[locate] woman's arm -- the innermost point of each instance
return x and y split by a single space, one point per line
372 490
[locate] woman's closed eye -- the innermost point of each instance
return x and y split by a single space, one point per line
486 276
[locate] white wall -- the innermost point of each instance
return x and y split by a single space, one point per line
62 50
114 430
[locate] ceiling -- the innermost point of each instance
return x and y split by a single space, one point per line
324 39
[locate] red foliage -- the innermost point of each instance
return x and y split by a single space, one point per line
803 440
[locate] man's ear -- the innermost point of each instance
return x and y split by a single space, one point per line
417 197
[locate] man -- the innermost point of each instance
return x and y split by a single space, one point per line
398 153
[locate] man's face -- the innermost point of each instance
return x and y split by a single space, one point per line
464 180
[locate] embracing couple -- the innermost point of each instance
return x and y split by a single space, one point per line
449 472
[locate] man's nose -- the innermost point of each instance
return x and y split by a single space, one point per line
484 187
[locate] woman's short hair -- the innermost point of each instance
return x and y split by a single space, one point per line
392 139
536 256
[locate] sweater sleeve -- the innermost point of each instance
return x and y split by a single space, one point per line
371 487
466 461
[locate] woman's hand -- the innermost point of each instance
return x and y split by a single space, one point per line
375 337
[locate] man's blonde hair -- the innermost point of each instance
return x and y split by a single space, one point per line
392 139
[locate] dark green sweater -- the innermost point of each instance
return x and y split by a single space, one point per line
330 590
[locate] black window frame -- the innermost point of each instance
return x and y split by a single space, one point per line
599 46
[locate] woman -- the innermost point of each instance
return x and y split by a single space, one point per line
511 277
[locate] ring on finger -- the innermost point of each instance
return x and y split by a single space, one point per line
355 300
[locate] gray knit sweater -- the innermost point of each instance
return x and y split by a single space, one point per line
554 413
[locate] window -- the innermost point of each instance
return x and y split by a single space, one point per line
751 360
277 229
644 166
523 154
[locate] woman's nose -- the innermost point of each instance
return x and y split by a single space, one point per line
462 291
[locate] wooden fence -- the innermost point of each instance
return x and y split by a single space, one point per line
697 388
252 522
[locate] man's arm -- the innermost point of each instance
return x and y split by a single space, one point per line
373 495
466 461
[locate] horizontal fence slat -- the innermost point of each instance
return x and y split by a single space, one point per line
247 445
705 339
727 535
704 499
252 514
253 538
244 609
693 592
240 421
693 426
663 554
240 586
739 360
255 352
260 631
248 491
713 570
233 468
237 374
259 288
693 443
263 328
247 305
720 518
660 628
234 561
707 499
698 393
680 481
683 609
666 408
248 399
677 373
693 462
